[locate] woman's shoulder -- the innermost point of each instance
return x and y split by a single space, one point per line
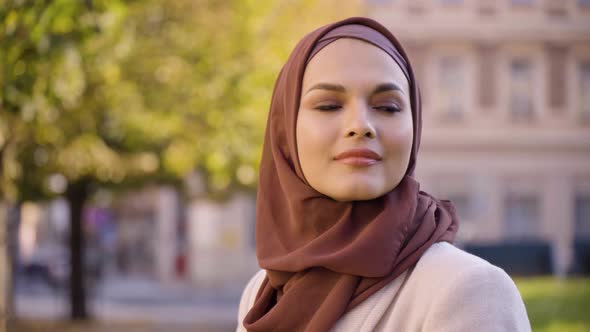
444 257
251 289
453 267
249 295
451 278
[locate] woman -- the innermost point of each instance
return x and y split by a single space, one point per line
346 238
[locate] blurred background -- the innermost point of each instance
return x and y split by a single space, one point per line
131 131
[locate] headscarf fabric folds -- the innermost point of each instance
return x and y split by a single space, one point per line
323 257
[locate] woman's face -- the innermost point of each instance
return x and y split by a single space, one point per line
355 99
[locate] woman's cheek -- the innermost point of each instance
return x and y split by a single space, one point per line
400 135
309 135
398 142
313 128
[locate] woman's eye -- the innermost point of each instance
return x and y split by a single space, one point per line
388 108
330 107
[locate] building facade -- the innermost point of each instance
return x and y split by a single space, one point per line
506 133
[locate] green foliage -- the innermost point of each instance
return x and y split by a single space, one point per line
117 93
556 304
53 110
187 64
124 92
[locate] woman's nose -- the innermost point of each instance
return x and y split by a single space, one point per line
359 122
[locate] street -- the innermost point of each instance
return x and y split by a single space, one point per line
131 304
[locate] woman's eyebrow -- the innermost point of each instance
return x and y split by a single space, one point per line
327 86
390 86
382 87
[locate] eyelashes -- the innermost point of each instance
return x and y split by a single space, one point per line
328 107
389 109
335 107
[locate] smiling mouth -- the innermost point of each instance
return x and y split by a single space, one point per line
358 161
360 157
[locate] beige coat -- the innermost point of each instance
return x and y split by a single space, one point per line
448 290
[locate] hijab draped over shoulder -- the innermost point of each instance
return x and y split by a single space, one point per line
323 257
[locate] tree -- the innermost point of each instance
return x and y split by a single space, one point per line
205 72
53 111
118 93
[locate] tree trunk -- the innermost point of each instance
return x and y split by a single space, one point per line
4 267
12 215
4 272
77 194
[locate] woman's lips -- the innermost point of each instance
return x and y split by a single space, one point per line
358 157
358 161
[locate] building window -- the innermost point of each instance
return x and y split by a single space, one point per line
417 7
521 215
451 2
522 2
521 90
556 79
486 7
451 87
582 215
557 9
487 72
584 90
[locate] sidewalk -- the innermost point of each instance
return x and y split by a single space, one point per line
137 304
51 326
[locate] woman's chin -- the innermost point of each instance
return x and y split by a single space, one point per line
356 193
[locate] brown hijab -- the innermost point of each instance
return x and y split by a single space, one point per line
323 257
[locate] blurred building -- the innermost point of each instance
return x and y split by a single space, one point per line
221 240
506 136
164 236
